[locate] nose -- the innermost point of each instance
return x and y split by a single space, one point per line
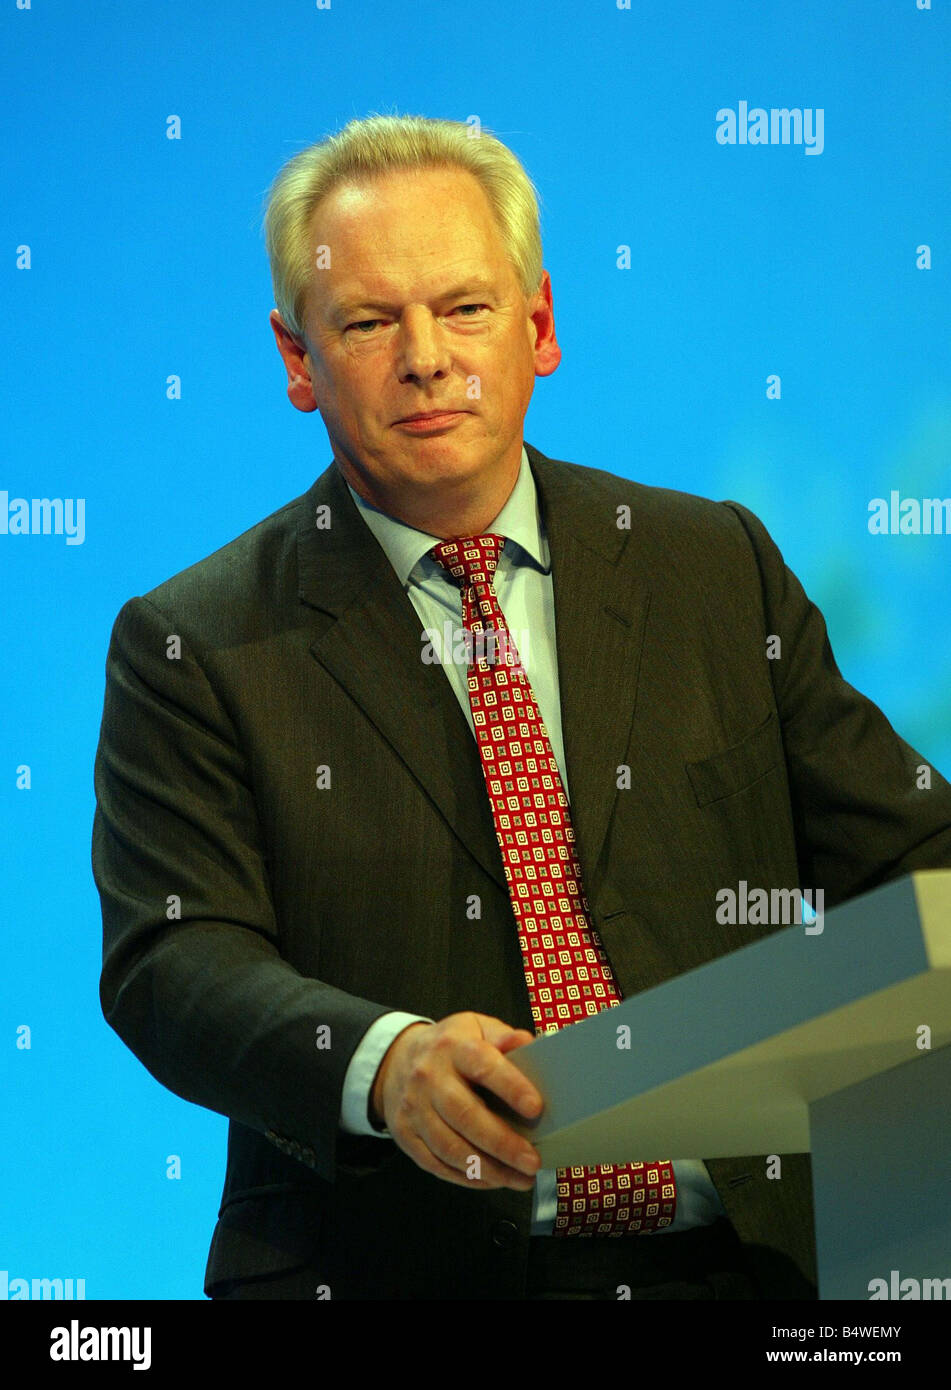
423 354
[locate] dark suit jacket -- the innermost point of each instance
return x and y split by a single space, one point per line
245 905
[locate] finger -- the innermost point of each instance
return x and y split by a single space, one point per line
503 1035
482 1063
484 1132
517 1038
438 1149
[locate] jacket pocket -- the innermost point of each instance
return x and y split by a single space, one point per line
733 769
264 1234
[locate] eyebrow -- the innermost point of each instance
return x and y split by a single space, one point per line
345 308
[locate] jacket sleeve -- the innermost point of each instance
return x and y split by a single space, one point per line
193 979
863 809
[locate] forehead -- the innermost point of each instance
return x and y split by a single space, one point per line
404 201
406 229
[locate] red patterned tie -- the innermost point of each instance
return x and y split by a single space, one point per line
566 967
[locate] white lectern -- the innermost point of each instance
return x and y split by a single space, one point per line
834 1042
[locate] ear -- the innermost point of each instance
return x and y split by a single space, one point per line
542 314
295 358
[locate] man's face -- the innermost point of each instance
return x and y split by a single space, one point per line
419 311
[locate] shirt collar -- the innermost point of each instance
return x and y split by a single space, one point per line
519 521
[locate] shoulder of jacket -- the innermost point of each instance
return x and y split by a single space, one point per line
651 505
237 584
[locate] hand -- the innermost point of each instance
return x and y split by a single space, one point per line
423 1093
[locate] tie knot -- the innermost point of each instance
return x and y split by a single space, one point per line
469 559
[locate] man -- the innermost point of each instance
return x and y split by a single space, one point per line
309 925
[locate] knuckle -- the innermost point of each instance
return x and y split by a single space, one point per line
404 1116
421 1074
480 1060
445 1040
464 1113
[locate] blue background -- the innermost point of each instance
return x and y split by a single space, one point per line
148 260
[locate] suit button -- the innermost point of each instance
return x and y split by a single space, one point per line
504 1234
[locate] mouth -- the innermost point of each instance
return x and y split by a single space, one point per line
428 420
427 415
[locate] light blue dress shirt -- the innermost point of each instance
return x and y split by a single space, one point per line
523 586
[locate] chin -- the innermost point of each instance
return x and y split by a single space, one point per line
451 461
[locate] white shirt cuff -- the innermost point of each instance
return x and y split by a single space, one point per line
361 1072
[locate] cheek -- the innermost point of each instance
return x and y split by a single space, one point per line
347 388
513 381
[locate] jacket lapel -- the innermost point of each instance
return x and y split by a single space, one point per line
368 639
600 617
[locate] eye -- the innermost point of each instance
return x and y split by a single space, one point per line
363 323
470 306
